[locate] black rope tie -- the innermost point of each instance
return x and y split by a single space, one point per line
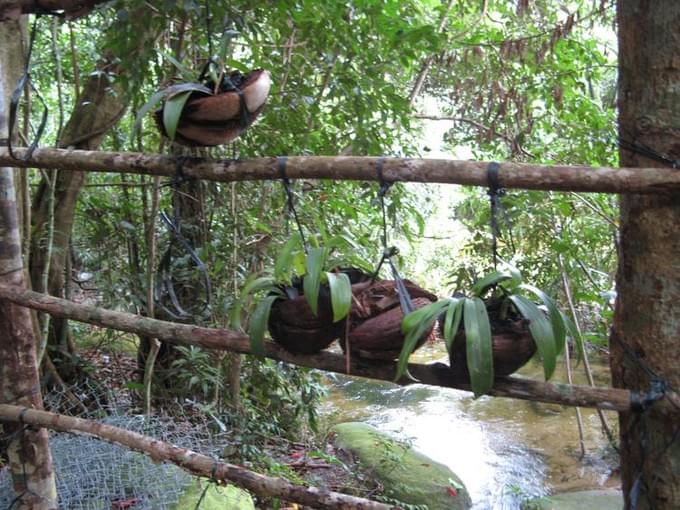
290 203
390 251
165 282
640 401
637 147
495 193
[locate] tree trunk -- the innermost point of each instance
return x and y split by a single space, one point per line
30 461
100 106
645 338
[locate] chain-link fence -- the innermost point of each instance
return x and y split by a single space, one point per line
94 475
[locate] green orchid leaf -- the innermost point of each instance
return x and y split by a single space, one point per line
252 285
479 346
172 111
541 331
341 294
164 94
454 313
413 319
258 324
186 73
556 320
494 278
575 335
283 267
411 339
316 258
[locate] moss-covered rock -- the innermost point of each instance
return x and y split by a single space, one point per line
407 475
216 497
609 499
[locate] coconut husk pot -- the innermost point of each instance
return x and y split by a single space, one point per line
210 119
512 344
293 325
375 321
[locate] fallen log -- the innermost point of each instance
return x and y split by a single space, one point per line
436 374
511 175
193 462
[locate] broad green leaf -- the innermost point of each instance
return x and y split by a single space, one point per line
452 321
556 320
413 319
283 266
161 94
412 337
172 111
252 284
258 324
316 258
541 331
494 278
184 70
479 346
341 294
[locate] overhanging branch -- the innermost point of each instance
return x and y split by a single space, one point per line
436 374
511 175
12 9
195 463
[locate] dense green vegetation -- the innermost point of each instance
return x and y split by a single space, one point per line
523 81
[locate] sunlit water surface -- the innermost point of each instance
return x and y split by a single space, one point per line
505 450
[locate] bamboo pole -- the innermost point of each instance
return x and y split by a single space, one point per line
511 175
195 463
437 374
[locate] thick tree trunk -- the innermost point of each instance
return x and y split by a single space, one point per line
645 338
30 461
100 106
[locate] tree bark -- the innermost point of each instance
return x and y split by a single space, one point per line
30 461
644 343
101 104
195 463
474 173
436 374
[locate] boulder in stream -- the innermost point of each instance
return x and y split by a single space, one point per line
407 475
605 499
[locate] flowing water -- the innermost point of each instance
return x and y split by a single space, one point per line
505 450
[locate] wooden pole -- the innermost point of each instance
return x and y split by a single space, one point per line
195 463
436 374
511 175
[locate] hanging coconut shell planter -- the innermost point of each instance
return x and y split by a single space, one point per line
211 112
375 320
293 325
512 343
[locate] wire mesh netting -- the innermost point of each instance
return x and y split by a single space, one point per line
92 474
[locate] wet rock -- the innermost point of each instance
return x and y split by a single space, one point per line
608 499
407 475
216 497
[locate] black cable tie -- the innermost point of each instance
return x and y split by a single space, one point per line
22 413
213 472
640 401
282 163
492 172
384 185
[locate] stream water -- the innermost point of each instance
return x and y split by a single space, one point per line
505 450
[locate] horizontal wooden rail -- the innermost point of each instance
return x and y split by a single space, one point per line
511 175
436 374
193 462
